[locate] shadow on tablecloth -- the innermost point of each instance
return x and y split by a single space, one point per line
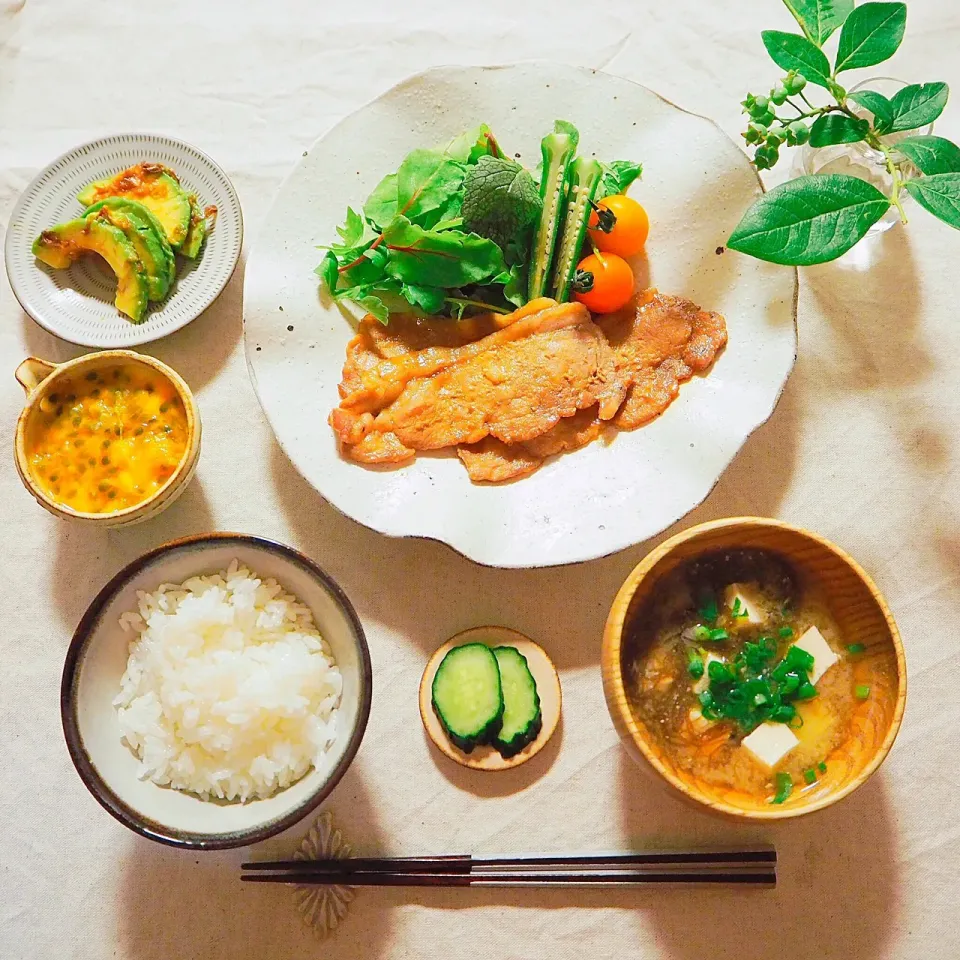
182 905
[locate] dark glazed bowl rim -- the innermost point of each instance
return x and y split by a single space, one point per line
80 643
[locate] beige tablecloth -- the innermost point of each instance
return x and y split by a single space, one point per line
863 448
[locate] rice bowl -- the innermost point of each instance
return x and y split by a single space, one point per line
99 656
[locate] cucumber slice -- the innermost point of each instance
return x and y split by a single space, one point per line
521 702
584 180
467 696
557 149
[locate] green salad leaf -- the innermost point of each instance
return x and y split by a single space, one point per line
381 205
499 199
450 231
617 176
426 181
448 258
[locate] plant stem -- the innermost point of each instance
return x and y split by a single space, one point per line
893 170
803 97
476 303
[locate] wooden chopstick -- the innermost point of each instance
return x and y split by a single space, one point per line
462 870
765 877
463 863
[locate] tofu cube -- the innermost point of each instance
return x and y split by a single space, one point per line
743 599
823 656
704 681
770 743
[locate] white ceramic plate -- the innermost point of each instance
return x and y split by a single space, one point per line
696 185
97 659
77 304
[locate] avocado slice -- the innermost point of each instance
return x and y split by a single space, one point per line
157 188
146 234
60 246
197 232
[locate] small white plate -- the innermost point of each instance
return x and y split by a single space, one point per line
77 304
696 185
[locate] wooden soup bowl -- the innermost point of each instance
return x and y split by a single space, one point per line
40 378
860 612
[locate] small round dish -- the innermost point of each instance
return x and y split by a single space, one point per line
97 658
861 614
548 688
77 304
39 378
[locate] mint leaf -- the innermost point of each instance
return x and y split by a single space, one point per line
809 220
381 205
499 199
878 105
870 35
617 176
430 258
426 181
940 194
917 105
328 272
793 52
428 299
931 154
819 18
831 128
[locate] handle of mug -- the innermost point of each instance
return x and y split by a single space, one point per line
32 372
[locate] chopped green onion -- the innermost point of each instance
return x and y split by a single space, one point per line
785 632
717 634
822 767
861 691
701 633
720 673
739 609
810 775
784 787
856 648
708 609
784 713
807 691
694 664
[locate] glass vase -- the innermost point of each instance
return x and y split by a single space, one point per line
860 159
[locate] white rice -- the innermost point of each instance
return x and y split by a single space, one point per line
229 691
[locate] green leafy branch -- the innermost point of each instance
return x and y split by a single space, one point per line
816 218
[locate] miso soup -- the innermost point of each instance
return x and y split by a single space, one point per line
743 677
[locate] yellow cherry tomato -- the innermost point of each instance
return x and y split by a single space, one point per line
629 233
612 282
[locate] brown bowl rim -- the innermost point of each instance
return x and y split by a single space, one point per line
615 693
175 478
92 778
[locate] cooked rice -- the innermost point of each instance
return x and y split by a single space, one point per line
229 691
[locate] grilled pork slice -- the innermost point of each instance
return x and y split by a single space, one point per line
660 342
515 384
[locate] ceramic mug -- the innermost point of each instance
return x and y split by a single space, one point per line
39 379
